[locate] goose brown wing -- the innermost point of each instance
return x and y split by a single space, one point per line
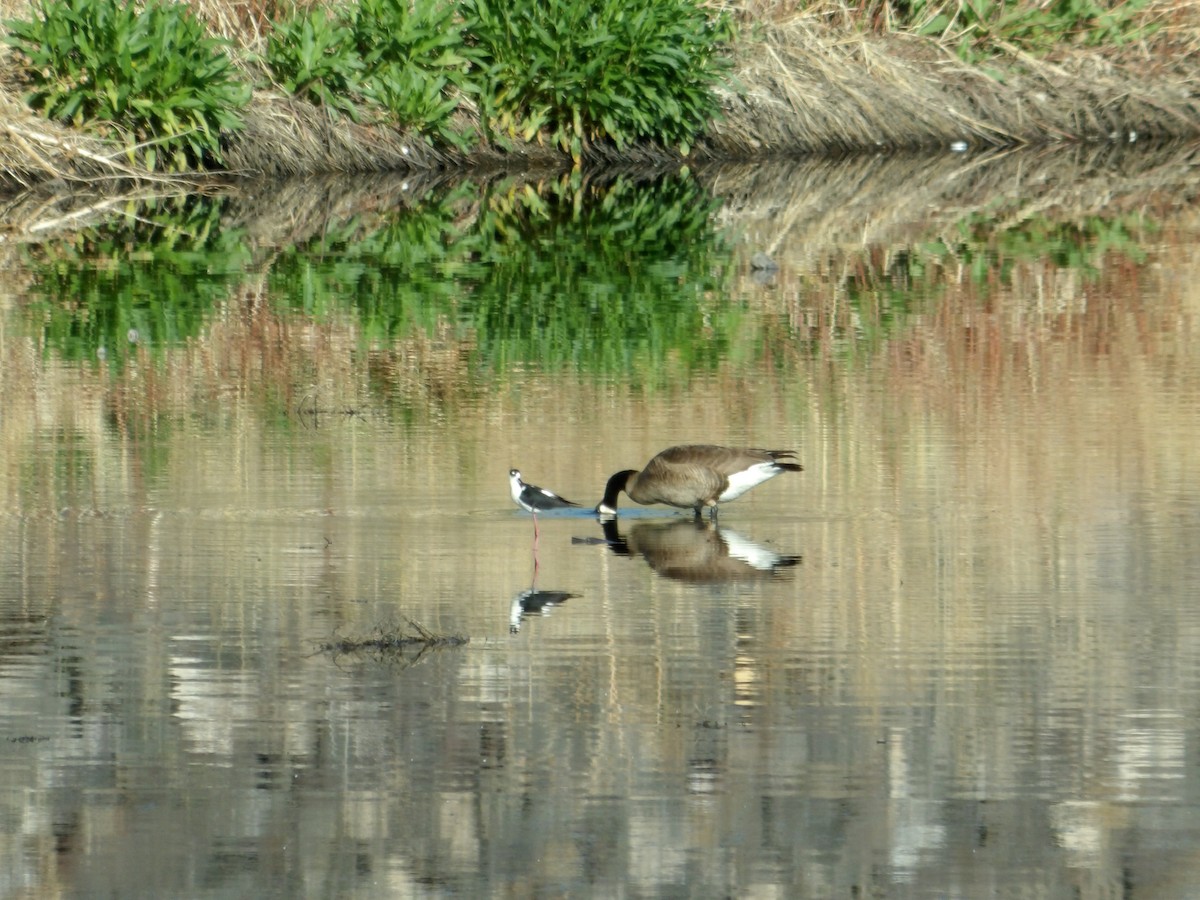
678 479
726 460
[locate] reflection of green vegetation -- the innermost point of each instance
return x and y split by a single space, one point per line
612 280
397 278
607 279
989 254
621 279
151 278
603 279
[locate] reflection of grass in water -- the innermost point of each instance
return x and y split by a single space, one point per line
885 293
396 278
988 248
626 279
150 278
65 462
602 279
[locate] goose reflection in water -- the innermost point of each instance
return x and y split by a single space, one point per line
697 551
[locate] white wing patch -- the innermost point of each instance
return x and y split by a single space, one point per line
742 481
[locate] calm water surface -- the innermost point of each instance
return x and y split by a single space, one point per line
957 656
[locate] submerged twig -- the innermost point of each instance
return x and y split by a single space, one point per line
392 640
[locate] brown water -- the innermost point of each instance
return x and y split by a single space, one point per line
981 676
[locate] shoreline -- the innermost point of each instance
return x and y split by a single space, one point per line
802 89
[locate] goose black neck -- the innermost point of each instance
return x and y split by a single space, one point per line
615 485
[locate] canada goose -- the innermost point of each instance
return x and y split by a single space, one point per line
532 498
693 476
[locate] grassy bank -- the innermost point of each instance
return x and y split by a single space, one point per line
816 86
309 89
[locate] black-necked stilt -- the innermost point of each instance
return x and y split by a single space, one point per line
697 552
695 476
534 499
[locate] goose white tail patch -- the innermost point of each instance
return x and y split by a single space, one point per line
742 481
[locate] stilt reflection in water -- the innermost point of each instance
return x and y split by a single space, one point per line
534 601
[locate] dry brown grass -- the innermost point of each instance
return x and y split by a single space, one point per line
804 88
33 149
286 136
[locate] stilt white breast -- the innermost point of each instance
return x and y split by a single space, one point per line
532 498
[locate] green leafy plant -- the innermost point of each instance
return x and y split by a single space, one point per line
417 63
574 73
152 70
313 55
